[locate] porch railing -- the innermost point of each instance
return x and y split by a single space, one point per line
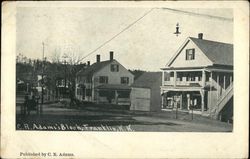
183 83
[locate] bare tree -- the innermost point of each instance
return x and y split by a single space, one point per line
55 57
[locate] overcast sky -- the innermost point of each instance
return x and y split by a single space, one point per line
147 45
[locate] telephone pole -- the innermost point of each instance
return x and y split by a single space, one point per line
65 75
41 107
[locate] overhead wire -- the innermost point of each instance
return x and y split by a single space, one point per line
145 14
113 37
198 14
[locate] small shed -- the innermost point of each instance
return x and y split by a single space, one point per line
145 92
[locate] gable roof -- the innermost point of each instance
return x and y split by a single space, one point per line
94 68
148 80
218 52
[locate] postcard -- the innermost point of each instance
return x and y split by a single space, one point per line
125 79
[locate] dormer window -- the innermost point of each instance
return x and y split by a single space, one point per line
190 54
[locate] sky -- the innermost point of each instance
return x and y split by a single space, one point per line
146 45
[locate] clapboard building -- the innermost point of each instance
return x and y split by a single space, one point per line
200 77
104 82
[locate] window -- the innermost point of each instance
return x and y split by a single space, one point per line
166 76
103 79
114 68
78 91
190 77
190 54
179 77
124 80
81 92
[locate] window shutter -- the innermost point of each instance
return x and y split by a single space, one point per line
192 54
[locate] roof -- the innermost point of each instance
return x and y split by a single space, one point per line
148 80
218 52
114 87
94 68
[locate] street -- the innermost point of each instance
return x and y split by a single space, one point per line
58 115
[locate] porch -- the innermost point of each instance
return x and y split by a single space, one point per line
112 94
197 78
185 78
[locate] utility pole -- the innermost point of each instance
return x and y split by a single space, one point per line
65 79
41 107
65 74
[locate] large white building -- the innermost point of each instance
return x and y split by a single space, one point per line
200 77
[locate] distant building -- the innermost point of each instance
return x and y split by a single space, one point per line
104 82
146 94
200 77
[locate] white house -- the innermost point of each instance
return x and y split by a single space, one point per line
104 82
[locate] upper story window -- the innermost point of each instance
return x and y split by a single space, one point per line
124 80
190 78
166 76
199 78
190 54
179 76
103 79
114 68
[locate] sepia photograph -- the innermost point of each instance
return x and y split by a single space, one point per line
124 80
124 69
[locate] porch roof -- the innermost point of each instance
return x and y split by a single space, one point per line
114 87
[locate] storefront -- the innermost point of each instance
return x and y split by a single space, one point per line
184 100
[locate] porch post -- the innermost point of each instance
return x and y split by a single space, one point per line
85 91
116 97
188 101
181 101
163 77
218 86
97 96
202 100
210 91
224 82
230 79
162 100
203 78
175 78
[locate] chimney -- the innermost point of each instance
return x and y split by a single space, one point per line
111 55
200 35
98 57
88 63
